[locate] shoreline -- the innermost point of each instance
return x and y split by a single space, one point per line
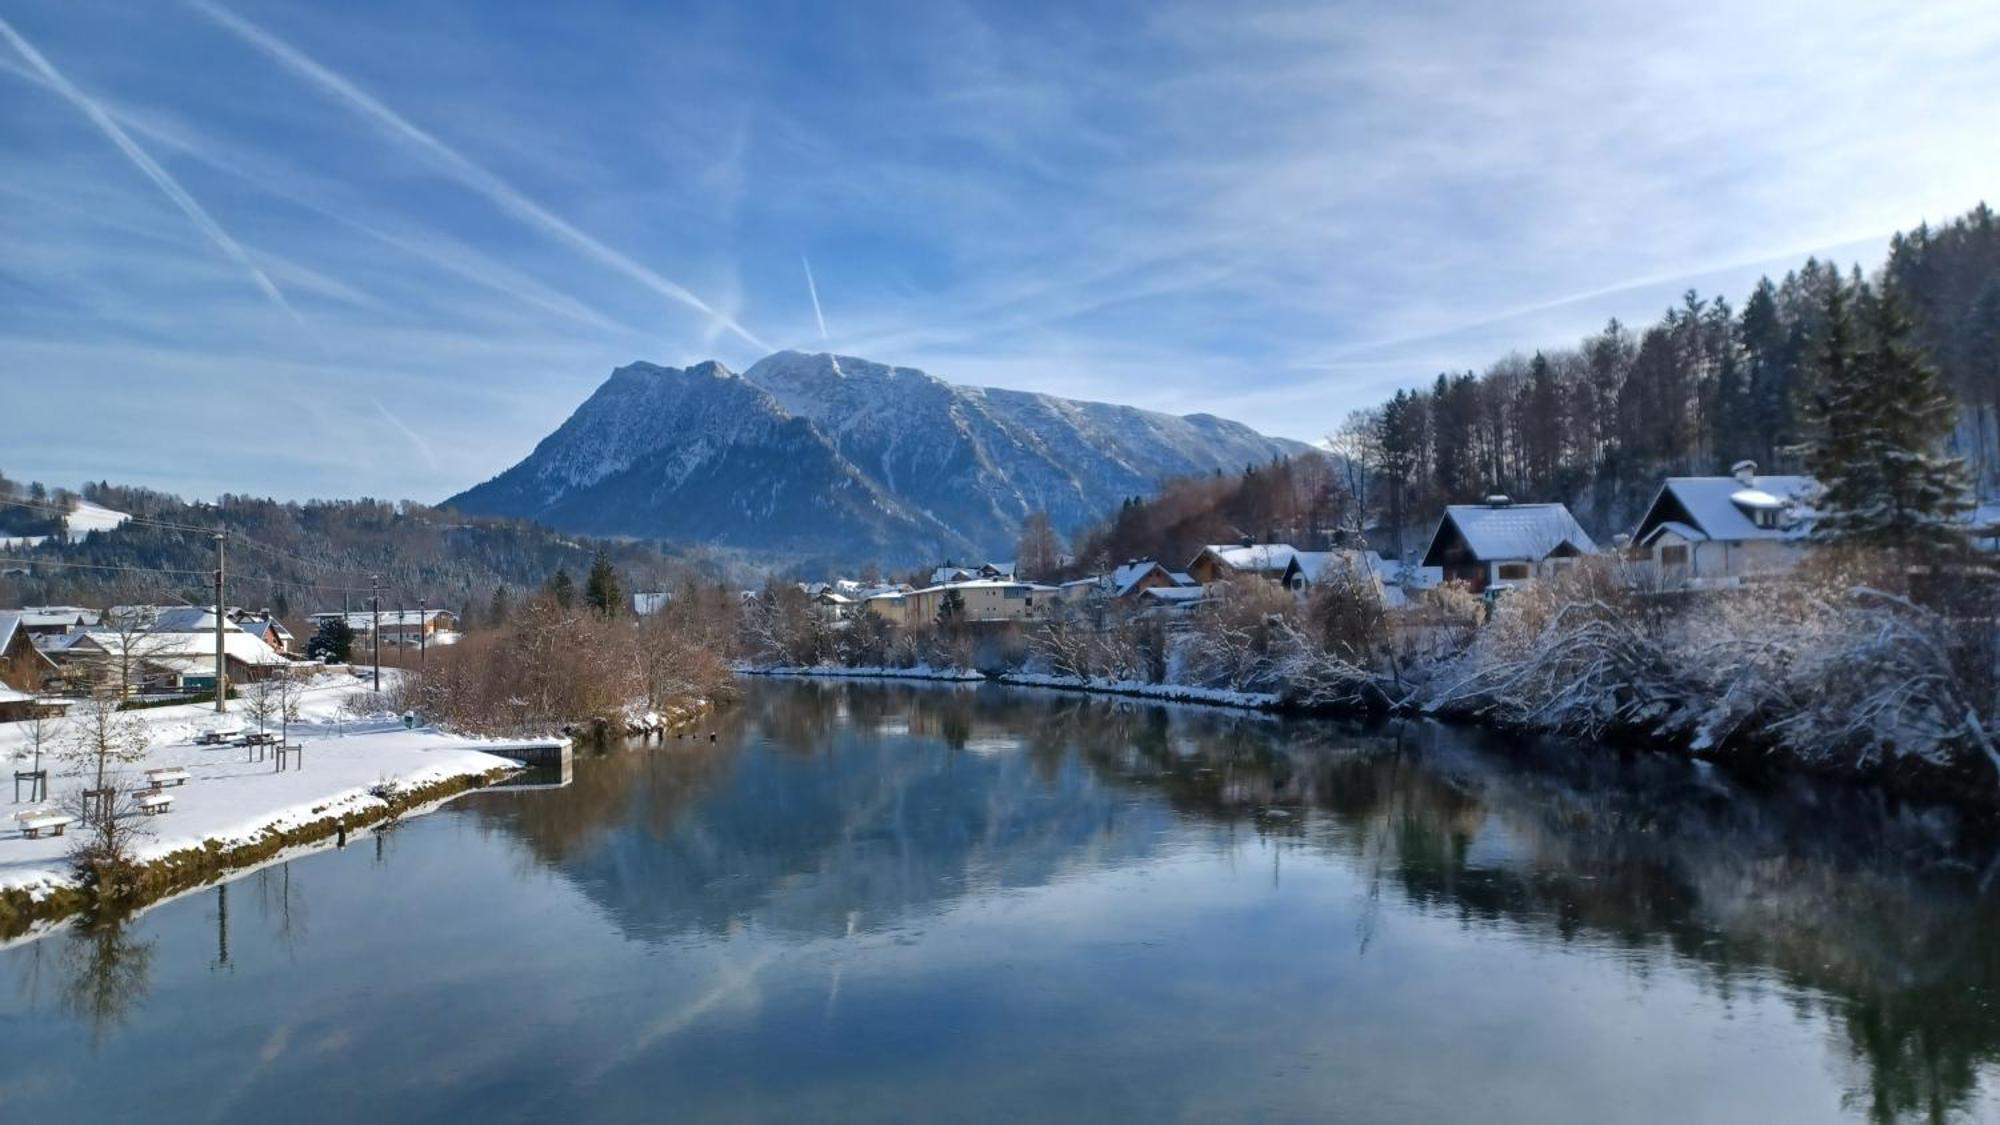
25 908
1750 762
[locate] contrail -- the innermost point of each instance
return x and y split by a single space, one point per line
416 439
814 290
467 172
166 183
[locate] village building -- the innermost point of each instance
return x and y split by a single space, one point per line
23 666
650 602
20 706
1136 577
399 626
55 620
949 574
1741 525
985 600
1314 568
1220 561
264 627
1501 542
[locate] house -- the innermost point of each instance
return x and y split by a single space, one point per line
1140 575
55 620
1170 601
984 600
180 659
1312 568
649 603
949 574
399 626
265 628
1500 541
1220 561
23 666
1726 527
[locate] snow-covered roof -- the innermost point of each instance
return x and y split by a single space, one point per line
363 620
44 616
1258 558
10 621
1494 532
1316 565
950 575
1123 578
1692 535
1178 594
1720 507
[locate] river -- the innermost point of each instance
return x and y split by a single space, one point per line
875 902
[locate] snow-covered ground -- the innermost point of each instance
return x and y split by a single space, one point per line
1173 693
231 800
87 517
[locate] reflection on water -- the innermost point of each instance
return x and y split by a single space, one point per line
921 902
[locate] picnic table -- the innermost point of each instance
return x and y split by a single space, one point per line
166 775
217 737
256 742
34 822
153 802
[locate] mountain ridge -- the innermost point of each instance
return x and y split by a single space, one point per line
844 458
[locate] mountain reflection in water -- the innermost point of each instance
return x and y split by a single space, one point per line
1058 906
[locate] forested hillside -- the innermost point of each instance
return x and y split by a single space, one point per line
1599 424
295 558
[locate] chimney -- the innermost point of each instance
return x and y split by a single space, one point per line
1745 473
1499 500
1248 541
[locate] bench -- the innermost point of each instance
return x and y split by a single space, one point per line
165 776
34 822
152 802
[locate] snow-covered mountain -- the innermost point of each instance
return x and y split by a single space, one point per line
843 458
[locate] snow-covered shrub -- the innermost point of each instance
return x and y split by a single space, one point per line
1580 652
1237 635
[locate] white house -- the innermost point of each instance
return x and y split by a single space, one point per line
1727 527
1503 542
1311 568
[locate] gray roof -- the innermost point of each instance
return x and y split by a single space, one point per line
1494 532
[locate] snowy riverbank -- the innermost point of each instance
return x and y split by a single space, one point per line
353 770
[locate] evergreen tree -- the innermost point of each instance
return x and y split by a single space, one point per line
562 587
601 590
497 609
332 642
951 608
1882 413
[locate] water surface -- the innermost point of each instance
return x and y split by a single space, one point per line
899 902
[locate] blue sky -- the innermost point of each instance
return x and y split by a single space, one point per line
384 247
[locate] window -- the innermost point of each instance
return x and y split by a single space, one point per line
1675 555
1513 572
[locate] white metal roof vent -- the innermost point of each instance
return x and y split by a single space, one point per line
1745 472
1499 500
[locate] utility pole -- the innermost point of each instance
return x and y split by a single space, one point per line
423 638
375 626
221 665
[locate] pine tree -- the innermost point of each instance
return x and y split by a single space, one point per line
332 642
562 588
1881 414
601 591
497 610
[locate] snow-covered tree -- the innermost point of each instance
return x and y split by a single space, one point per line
1883 415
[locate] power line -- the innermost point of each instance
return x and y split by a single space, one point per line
315 585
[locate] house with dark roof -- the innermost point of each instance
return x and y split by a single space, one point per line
1501 542
23 667
1736 526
